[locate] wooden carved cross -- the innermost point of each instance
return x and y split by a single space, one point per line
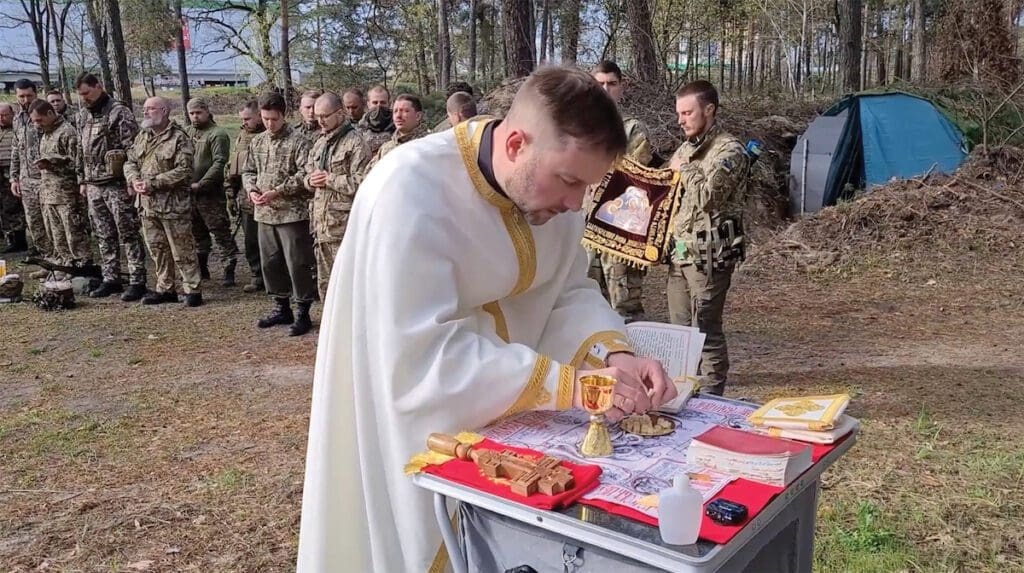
526 476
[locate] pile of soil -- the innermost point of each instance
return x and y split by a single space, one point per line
936 223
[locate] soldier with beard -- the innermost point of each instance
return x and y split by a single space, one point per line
25 175
212 147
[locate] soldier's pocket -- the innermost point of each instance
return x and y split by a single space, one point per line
336 219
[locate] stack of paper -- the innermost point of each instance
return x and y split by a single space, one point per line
755 457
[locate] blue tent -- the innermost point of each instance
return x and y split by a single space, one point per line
868 139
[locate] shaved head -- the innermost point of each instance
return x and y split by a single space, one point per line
460 107
326 112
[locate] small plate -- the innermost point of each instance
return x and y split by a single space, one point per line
628 421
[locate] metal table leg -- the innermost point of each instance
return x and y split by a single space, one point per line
451 540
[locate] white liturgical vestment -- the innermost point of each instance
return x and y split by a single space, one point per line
445 312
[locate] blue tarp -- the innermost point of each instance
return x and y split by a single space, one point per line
905 136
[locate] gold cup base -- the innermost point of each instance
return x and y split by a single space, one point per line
596 443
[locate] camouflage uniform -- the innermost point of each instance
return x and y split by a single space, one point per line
397 138
277 162
107 131
713 170
63 212
209 213
308 130
12 214
245 206
164 162
343 154
621 283
376 127
23 158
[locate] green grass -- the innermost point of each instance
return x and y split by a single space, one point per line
861 538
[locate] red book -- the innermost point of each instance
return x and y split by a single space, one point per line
765 459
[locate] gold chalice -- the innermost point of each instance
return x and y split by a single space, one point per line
597 393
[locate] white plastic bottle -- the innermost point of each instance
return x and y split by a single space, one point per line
680 510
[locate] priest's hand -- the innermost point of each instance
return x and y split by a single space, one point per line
650 374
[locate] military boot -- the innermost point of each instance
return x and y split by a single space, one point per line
160 297
16 242
302 323
255 286
134 292
204 266
106 289
281 314
194 299
229 275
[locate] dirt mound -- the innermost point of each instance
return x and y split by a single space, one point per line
932 225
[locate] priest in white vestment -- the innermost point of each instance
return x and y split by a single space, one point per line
460 295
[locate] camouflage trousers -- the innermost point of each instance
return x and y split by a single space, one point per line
620 283
171 245
210 217
115 222
694 299
12 213
325 251
34 217
251 230
65 226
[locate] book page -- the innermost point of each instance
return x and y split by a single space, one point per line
676 347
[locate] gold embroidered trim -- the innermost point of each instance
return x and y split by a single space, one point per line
500 325
594 361
534 394
613 340
516 226
566 383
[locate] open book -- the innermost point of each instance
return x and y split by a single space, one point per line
678 348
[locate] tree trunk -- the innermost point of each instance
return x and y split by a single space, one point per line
721 57
849 20
123 78
518 37
646 64
182 64
920 57
545 12
569 25
286 58
472 39
59 21
551 34
444 45
99 38
423 78
38 18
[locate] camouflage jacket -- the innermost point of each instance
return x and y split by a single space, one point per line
26 148
638 146
397 138
713 170
164 162
106 135
277 162
212 147
235 167
343 153
6 148
310 131
377 127
59 184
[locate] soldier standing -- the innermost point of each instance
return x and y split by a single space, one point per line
713 169
107 129
12 214
623 284
159 171
407 113
460 107
56 99
307 124
335 161
274 179
25 175
58 186
354 103
212 147
238 201
376 124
